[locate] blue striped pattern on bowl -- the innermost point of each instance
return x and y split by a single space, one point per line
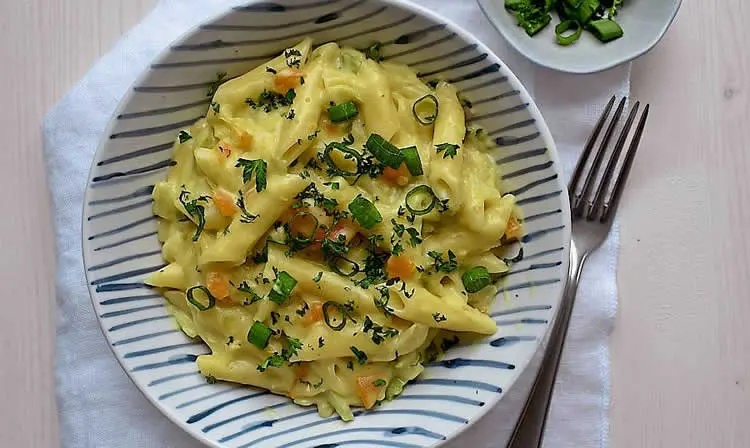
120 246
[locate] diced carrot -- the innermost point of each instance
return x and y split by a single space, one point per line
225 150
301 370
400 266
332 128
314 314
398 177
246 140
513 229
367 390
286 79
218 284
224 203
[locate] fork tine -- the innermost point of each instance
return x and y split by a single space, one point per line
587 149
610 206
591 175
596 203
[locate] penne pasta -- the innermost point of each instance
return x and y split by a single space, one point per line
321 236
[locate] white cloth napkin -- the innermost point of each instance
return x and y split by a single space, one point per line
100 407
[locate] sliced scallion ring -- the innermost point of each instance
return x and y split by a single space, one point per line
425 109
282 288
568 39
384 151
412 160
342 112
299 238
259 334
336 266
196 303
420 200
476 279
348 153
327 315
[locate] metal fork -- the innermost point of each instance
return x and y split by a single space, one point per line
592 212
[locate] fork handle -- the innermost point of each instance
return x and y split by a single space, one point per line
529 429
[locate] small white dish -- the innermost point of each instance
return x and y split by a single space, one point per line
643 21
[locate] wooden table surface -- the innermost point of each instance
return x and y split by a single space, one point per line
681 344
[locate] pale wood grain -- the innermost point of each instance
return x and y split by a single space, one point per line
681 356
45 46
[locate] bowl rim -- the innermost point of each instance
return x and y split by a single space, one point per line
541 124
627 57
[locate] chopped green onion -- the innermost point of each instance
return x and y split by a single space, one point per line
334 264
384 151
359 354
568 39
605 29
476 279
348 153
342 112
191 298
327 316
365 212
426 109
282 288
420 200
300 238
413 161
259 335
581 13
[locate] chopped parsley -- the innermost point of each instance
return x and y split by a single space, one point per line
318 276
271 70
381 302
216 107
303 310
194 209
439 317
398 232
375 261
262 256
269 101
246 289
375 52
278 359
246 217
184 136
319 200
321 342
442 265
210 379
379 383
293 57
359 354
214 86
379 333
448 150
290 115
230 340
257 167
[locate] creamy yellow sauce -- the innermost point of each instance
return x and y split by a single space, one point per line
281 227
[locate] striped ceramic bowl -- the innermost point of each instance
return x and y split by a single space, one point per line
120 245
